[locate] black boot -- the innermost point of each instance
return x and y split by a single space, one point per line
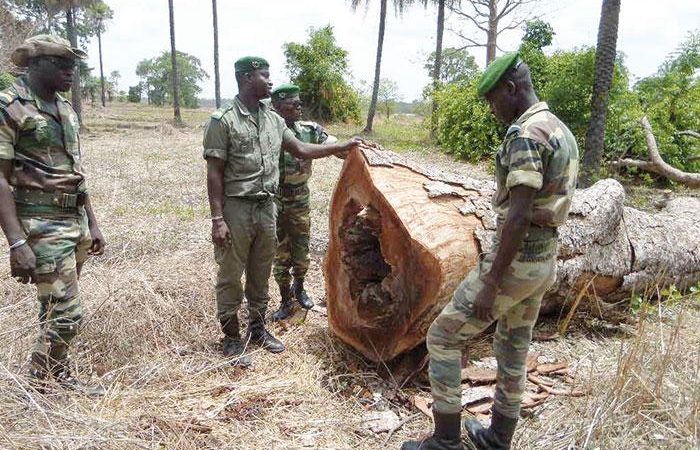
496 437
300 294
286 306
446 435
232 345
62 373
258 335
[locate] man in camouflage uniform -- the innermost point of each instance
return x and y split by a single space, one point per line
45 210
293 223
242 145
536 171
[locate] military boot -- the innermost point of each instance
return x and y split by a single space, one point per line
258 335
446 435
496 437
300 294
286 306
232 345
39 371
62 373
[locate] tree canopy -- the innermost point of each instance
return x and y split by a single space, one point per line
156 76
320 68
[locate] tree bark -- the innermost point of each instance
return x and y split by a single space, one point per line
606 51
377 68
657 164
402 238
437 66
102 75
176 78
217 80
76 98
492 33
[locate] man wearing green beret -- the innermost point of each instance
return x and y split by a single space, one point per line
45 209
536 172
242 145
293 222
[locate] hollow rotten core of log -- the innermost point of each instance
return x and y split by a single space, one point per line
361 255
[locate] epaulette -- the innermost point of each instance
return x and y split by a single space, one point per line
219 113
513 130
8 98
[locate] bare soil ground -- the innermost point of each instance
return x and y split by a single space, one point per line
151 336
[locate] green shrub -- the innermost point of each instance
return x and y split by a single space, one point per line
6 80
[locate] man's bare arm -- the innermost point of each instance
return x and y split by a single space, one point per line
220 233
8 214
314 151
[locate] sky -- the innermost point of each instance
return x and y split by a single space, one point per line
648 31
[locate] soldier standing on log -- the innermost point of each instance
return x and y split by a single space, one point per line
536 171
294 222
242 144
45 209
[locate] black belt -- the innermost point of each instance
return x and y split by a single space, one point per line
57 199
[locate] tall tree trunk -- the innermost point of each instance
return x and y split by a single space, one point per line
73 38
217 81
176 79
102 74
605 54
492 33
377 68
437 65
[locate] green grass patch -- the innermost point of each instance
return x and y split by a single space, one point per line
399 133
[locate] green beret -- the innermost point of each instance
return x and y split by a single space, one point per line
251 63
45 45
495 71
285 91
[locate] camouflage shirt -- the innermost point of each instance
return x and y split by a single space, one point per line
296 171
41 141
539 151
250 143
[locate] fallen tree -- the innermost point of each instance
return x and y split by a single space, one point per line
402 237
657 164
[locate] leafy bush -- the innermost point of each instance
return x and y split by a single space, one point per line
134 95
320 67
466 127
6 80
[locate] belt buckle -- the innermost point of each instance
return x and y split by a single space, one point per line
68 200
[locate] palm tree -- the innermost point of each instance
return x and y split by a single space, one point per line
176 80
606 51
217 81
399 6
73 38
438 51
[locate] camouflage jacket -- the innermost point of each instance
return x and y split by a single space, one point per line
539 151
295 171
250 144
44 148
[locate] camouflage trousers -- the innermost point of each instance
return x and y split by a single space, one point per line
253 243
516 308
293 226
60 245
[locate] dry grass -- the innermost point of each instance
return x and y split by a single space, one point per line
152 338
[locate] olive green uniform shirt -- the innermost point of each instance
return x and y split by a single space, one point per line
250 143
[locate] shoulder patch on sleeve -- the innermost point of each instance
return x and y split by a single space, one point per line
219 113
7 97
513 130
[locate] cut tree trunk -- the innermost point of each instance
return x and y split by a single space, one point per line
402 238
